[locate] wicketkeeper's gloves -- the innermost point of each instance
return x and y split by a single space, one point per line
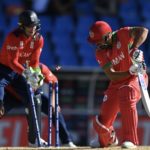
34 77
35 80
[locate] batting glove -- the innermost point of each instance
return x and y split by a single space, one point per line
143 67
135 69
138 56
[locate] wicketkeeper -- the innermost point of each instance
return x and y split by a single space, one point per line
115 53
24 44
13 100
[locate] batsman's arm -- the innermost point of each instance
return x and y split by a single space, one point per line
139 35
115 75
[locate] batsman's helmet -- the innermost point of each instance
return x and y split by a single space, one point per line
98 30
29 18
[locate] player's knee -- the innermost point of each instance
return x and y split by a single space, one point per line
99 127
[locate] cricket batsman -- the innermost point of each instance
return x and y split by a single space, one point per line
115 53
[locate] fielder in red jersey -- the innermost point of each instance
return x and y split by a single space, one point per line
114 54
21 47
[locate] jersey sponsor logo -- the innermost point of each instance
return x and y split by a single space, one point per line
25 55
12 48
117 59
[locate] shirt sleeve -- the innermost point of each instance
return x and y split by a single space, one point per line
12 49
102 58
49 76
123 33
124 36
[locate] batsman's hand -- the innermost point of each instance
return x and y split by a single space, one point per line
136 68
138 56
138 59
2 110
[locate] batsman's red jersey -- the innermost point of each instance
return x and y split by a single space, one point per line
121 96
118 56
17 49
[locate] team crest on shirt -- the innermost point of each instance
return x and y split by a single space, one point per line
21 45
118 45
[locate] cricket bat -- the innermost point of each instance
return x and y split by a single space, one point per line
144 93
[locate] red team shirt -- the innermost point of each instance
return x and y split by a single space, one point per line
118 56
17 49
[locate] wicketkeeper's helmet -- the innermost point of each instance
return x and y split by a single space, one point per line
98 30
29 18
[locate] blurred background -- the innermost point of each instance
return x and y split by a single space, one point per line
65 26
